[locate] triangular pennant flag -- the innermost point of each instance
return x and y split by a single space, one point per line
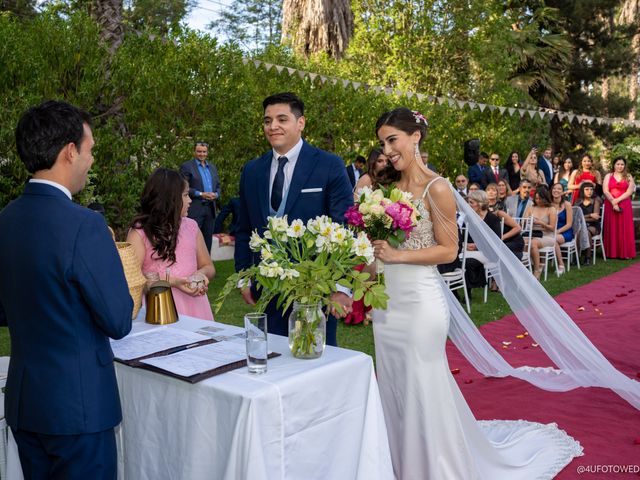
256 63
152 36
334 81
245 60
356 85
279 68
451 102
482 106
313 76
522 111
268 66
441 100
430 98
291 71
421 96
502 110
511 111
399 92
139 34
409 94
461 104
302 74
541 114
323 79
377 89
388 90
590 119
531 113
570 116
472 105
492 108
345 83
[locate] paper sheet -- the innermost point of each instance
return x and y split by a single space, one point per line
152 341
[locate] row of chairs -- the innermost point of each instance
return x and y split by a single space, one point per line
455 280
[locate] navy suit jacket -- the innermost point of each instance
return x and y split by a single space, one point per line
548 172
63 294
475 173
488 176
315 169
190 171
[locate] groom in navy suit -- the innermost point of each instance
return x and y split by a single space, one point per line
293 179
63 293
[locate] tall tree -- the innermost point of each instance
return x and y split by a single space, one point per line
317 26
22 8
252 24
159 15
630 15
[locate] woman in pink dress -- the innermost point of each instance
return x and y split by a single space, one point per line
619 238
585 173
167 241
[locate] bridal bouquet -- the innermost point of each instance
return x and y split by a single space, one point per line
384 214
303 264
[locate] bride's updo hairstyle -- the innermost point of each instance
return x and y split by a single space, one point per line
404 119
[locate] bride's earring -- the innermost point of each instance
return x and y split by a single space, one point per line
417 153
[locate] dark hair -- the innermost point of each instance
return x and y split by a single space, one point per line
384 177
44 130
484 155
625 172
543 193
508 164
200 144
360 159
295 104
584 185
160 210
403 119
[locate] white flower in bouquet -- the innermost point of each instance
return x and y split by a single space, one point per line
296 229
363 248
265 252
289 273
256 241
339 235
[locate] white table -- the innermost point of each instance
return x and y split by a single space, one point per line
303 419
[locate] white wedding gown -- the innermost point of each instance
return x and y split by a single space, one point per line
433 434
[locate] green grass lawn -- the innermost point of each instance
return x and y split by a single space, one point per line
360 337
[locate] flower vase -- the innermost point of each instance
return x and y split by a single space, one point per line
307 330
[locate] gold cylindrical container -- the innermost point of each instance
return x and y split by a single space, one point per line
161 309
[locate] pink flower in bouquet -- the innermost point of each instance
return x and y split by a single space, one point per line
354 217
401 214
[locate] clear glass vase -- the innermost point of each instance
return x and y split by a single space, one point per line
307 330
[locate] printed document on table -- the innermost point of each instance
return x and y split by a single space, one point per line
153 341
199 359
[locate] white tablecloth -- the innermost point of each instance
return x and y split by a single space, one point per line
303 419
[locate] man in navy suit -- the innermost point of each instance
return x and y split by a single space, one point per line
63 293
493 173
354 171
204 190
544 164
476 171
293 179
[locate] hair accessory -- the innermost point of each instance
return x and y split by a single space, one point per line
419 117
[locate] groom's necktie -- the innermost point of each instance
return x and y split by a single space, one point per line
278 184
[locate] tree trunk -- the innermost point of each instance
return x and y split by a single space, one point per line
314 26
629 15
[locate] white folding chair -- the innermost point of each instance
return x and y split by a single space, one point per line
548 254
597 239
526 225
455 280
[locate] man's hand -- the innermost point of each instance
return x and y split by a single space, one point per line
208 195
344 302
246 295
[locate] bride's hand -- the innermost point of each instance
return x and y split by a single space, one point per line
384 252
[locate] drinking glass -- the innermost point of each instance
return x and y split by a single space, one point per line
255 325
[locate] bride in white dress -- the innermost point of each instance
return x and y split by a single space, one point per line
433 434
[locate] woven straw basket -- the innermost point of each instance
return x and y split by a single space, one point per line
133 274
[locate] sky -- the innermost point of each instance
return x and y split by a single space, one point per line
204 12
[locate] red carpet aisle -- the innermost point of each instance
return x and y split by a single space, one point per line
608 312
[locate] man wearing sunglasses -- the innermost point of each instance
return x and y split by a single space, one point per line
493 173
204 190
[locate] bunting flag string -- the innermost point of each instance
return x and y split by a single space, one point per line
530 111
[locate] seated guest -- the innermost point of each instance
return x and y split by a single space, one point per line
169 243
379 171
495 203
461 185
590 206
511 234
544 227
474 268
517 205
474 187
586 172
504 190
564 232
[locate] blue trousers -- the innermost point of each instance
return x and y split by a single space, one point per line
67 457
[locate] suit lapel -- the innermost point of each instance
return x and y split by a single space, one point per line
304 166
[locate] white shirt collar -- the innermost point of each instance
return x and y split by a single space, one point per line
292 155
62 188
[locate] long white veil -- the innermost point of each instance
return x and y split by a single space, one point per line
579 362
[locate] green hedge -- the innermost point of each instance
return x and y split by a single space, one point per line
188 87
